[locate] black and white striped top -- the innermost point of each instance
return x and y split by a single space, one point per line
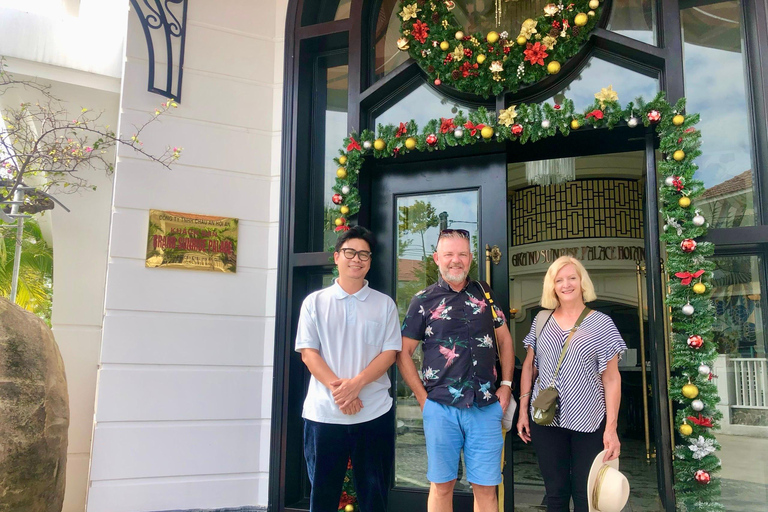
579 383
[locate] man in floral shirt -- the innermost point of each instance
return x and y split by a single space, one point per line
461 406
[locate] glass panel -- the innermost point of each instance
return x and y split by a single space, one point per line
342 11
599 73
386 55
335 131
421 105
420 219
322 11
742 381
635 19
715 76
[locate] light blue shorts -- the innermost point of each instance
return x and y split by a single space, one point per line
475 429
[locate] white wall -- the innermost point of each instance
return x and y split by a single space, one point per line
185 382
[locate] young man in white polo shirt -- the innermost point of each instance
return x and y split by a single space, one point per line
348 337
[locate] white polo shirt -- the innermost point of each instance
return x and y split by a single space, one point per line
349 331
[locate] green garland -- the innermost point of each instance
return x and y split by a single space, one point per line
487 64
692 348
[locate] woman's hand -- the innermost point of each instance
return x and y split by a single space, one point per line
611 444
523 427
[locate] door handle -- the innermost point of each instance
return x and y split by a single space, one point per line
491 254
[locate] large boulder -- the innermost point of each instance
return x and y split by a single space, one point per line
34 414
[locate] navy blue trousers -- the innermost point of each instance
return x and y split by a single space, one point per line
371 445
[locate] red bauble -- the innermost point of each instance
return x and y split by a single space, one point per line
557 107
431 139
438 81
695 341
703 477
517 129
337 198
688 245
654 116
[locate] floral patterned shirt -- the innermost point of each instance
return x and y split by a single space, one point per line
457 331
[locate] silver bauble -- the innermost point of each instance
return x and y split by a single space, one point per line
698 220
697 405
367 144
458 133
545 124
705 370
669 181
632 122
345 190
688 309
666 227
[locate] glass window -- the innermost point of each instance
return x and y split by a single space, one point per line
386 55
716 88
599 73
422 105
635 19
741 371
322 11
335 123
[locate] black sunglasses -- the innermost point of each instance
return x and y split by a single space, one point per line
351 253
447 232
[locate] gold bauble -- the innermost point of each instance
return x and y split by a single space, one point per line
581 19
341 172
379 144
342 159
690 391
594 4
344 210
492 37
486 132
459 35
699 288
410 143
339 221
521 40
480 58
553 67
678 120
678 155
684 201
575 124
686 429
445 45
590 13
349 508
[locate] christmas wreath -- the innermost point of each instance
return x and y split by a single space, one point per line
688 268
489 64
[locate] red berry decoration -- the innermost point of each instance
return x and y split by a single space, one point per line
654 116
431 139
695 341
438 81
688 245
703 477
557 107
337 198
517 129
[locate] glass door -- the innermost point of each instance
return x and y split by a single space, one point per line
411 203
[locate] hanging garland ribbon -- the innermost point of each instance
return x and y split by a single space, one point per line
691 310
487 64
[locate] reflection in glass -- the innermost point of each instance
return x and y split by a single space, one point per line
635 19
715 88
742 381
335 131
419 221
599 73
342 11
422 105
386 55
323 11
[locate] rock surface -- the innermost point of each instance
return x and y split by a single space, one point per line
34 414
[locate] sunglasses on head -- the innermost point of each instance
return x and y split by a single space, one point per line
447 232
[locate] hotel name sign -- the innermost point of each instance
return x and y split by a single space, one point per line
595 253
192 242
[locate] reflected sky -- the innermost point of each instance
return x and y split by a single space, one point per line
422 105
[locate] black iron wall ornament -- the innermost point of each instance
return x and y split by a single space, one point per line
160 21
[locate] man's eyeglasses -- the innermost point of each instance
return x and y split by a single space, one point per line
448 232
351 253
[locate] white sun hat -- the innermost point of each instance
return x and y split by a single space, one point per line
607 487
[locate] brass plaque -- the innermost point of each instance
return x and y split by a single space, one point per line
192 242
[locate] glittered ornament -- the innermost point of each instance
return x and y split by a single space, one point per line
431 139
688 309
575 124
349 508
546 124
699 288
678 120
688 245
703 477
697 405
458 133
517 129
698 220
343 160
553 67
366 145
580 20
702 447
654 116
705 370
337 198
340 221
459 34
632 122
492 37
686 429
669 181
486 132
594 4
679 155
480 58
521 40
695 342
345 189
590 13
690 391
445 45
684 201
379 144
344 210
341 173
410 143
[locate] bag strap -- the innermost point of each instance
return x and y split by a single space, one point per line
583 315
541 325
487 292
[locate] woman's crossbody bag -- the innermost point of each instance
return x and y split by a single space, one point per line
545 405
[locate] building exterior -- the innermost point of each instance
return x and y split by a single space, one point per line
185 390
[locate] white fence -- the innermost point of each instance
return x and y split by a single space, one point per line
750 379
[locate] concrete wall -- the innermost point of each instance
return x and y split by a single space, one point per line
185 379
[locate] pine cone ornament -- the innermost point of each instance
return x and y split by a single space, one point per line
554 32
575 31
455 74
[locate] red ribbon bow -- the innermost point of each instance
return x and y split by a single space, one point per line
402 130
701 421
353 145
473 128
687 277
597 114
343 227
